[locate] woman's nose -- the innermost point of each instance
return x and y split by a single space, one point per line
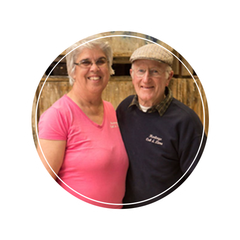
94 67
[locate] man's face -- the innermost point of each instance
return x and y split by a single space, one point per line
150 79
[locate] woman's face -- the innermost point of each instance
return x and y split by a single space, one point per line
92 77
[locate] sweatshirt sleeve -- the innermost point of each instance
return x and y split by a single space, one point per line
52 125
191 154
192 143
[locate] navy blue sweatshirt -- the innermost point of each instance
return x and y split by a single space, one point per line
162 150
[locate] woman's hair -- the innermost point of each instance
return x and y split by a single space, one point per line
74 51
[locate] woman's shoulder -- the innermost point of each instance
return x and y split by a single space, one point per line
60 107
61 103
53 122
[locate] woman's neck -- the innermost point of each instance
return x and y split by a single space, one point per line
85 99
91 106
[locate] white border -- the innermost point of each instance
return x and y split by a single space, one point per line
146 30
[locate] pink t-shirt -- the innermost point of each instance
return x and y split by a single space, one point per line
95 162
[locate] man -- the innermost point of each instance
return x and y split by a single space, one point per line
164 138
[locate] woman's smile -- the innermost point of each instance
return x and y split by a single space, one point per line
94 78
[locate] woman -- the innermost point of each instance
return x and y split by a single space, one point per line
79 134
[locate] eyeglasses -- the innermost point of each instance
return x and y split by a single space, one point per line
87 63
140 72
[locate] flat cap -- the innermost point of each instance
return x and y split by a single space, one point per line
152 52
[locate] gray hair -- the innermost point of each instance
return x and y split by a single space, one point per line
74 51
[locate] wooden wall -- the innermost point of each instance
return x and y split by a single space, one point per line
184 88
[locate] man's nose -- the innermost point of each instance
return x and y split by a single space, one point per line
146 76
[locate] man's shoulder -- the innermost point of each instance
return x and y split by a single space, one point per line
126 102
184 113
187 111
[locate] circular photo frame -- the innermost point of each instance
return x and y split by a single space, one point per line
154 156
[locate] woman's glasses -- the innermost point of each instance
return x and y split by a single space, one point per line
87 63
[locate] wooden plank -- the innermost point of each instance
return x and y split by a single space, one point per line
202 105
121 60
176 65
187 70
55 79
51 92
116 91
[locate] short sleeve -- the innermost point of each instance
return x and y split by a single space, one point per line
52 125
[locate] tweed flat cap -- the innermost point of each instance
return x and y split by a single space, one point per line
152 52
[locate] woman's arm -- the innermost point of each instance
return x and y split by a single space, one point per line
54 151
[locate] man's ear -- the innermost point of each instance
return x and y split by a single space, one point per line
171 75
169 78
130 71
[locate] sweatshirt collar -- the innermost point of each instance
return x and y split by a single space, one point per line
161 107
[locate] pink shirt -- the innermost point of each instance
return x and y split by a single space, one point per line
96 162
